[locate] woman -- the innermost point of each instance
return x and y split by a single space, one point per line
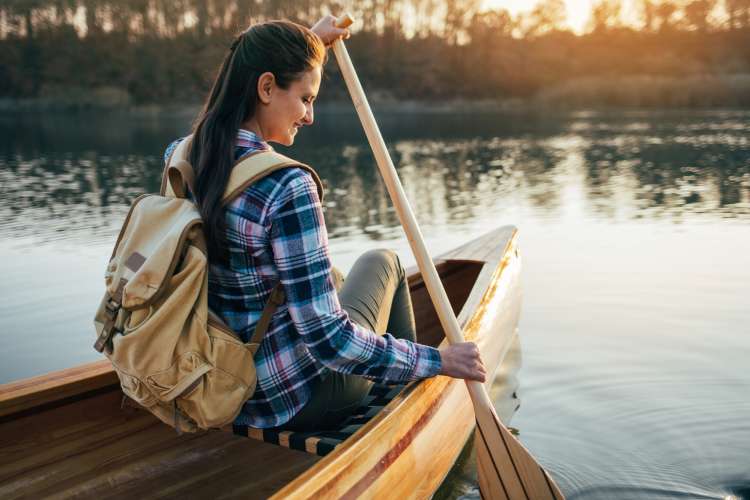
323 349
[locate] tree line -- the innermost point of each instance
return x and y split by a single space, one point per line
678 52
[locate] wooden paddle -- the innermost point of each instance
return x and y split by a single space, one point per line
505 468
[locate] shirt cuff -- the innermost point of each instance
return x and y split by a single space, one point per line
428 362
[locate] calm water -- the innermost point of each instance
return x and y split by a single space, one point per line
635 234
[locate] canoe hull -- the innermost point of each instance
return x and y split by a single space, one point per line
411 446
65 434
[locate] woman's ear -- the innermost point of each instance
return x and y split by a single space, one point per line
266 84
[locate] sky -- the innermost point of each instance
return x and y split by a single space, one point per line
578 10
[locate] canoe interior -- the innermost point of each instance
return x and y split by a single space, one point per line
84 443
458 278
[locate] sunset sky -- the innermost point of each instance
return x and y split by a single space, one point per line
578 10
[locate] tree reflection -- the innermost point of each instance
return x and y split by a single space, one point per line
672 174
636 165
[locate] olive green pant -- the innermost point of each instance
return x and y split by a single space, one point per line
376 296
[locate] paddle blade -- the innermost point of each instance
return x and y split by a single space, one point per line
506 469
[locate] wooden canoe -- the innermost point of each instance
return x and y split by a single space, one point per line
65 434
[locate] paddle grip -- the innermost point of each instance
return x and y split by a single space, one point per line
344 21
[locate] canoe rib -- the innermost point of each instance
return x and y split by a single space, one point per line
66 433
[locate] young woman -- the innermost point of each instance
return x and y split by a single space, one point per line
324 348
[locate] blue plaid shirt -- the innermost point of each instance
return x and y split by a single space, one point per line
276 232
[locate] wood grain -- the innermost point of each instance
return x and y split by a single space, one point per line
51 387
419 469
489 481
85 444
93 448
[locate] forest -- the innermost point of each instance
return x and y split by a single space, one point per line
674 53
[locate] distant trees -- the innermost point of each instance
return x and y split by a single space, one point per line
739 14
549 15
155 51
605 14
697 12
665 13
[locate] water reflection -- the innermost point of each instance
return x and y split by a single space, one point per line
82 197
633 231
615 167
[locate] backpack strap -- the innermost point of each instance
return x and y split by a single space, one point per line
247 170
178 154
276 298
257 165
179 175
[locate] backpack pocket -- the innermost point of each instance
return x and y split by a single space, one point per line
167 412
215 401
205 394
136 390
178 378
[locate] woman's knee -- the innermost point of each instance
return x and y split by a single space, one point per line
385 259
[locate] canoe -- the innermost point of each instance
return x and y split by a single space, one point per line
67 433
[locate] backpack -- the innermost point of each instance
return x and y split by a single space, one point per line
173 356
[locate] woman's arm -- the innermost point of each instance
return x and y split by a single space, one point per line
327 31
299 243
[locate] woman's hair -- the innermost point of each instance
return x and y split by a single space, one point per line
283 48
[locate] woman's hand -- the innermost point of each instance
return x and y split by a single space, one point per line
462 360
327 31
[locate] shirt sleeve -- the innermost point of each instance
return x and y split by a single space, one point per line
170 149
299 242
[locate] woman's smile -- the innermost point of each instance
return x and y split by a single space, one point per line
283 104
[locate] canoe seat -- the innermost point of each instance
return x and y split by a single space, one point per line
323 442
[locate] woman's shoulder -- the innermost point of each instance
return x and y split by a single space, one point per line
287 182
171 147
291 174
281 185
289 187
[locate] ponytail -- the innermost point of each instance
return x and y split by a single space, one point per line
283 48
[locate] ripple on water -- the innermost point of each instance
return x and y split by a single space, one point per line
623 396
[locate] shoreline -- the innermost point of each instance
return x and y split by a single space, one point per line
699 91
46 105
40 106
695 92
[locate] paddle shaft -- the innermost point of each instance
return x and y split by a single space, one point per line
405 214
498 450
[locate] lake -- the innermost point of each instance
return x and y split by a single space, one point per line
635 239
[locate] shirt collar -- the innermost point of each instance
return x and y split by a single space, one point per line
249 139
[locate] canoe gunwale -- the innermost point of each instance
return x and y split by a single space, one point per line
301 487
60 387
55 389
396 426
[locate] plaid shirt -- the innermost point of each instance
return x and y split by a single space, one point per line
275 231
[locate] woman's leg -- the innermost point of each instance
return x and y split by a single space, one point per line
335 396
375 294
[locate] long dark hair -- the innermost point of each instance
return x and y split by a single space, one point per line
283 48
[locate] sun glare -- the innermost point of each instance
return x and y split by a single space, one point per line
578 10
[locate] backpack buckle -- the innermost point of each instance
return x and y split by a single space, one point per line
104 340
111 306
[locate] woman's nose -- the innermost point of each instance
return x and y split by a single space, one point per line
309 115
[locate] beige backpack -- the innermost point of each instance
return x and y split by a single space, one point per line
173 356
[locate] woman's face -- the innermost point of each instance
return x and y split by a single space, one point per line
282 112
